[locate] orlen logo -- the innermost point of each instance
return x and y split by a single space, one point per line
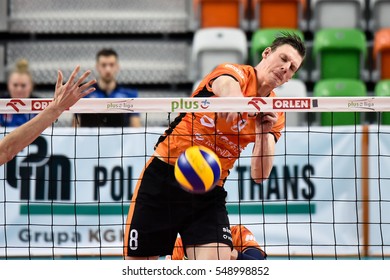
15 104
255 102
39 105
295 103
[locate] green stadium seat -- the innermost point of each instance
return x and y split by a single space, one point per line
262 38
340 88
339 53
382 88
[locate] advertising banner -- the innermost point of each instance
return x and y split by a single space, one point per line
68 193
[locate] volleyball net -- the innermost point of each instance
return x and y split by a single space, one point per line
328 195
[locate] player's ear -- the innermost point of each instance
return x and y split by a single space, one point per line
266 52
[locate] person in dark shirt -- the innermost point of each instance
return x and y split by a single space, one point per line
20 85
107 66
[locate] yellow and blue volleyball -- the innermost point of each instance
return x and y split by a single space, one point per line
198 169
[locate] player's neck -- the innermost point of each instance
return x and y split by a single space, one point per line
107 87
263 90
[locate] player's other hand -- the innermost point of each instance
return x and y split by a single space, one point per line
66 95
265 122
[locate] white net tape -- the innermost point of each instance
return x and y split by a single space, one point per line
244 104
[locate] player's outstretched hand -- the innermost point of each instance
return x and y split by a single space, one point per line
66 95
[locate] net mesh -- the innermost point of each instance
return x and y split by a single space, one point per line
67 194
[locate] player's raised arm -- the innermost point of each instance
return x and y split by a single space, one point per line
65 96
264 147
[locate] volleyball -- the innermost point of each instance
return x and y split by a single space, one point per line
198 169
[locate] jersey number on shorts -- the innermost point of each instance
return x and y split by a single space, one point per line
133 239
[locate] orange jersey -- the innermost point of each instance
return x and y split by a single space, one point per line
242 237
226 139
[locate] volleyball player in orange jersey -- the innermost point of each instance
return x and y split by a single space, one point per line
245 247
160 209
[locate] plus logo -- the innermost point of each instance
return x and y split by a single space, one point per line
255 102
205 104
48 175
15 104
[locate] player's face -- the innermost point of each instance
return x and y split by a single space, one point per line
20 85
280 65
107 68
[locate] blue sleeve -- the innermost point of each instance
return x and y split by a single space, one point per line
133 93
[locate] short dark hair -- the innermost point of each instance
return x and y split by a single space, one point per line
106 52
291 39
